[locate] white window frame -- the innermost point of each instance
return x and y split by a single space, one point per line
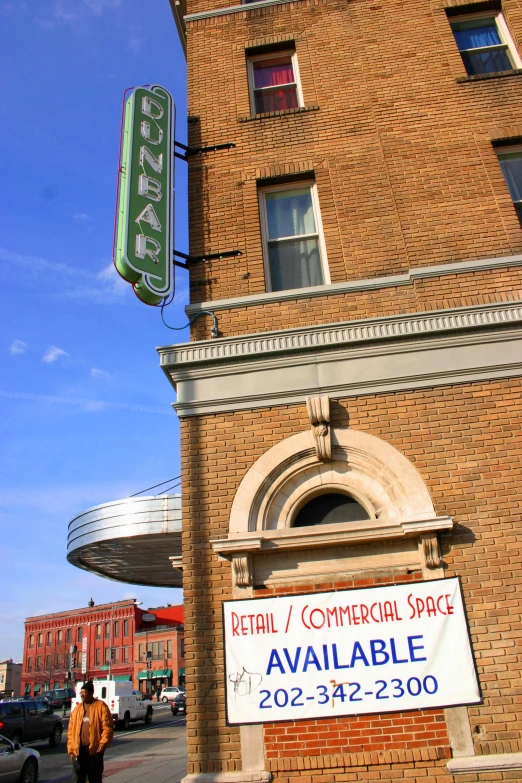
509 150
289 186
257 58
503 33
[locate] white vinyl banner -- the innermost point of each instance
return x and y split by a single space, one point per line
350 652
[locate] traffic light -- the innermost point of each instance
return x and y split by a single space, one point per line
73 661
149 664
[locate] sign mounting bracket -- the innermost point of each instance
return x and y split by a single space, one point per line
189 151
206 257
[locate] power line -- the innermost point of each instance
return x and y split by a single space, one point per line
174 478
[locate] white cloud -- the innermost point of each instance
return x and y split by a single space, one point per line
58 280
87 405
52 354
82 217
17 347
135 45
96 373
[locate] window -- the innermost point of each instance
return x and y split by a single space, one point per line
107 654
116 629
510 160
39 663
40 639
484 43
49 638
125 655
155 652
80 634
274 82
98 631
29 664
116 657
60 637
125 627
169 648
182 651
292 237
329 509
104 692
107 630
69 636
97 657
31 640
48 664
141 653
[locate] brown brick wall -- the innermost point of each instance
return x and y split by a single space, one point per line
402 155
465 442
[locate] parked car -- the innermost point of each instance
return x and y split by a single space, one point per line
170 693
179 704
58 697
17 764
26 721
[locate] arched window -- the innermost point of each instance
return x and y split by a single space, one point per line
331 508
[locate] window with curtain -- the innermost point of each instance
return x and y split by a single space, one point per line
511 164
274 82
291 237
484 43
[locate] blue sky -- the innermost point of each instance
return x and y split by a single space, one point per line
86 411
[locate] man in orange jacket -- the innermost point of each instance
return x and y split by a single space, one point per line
90 733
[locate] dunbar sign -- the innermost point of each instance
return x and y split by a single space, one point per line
144 234
350 652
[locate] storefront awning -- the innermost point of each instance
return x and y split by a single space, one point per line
181 672
28 687
154 674
116 678
37 689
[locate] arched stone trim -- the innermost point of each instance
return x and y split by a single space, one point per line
401 532
289 474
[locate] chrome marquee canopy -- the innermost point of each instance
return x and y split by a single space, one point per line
129 540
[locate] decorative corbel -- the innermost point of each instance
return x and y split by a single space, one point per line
176 562
318 409
242 570
430 550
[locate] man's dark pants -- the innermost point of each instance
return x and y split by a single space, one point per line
87 767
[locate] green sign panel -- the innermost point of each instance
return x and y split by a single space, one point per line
145 226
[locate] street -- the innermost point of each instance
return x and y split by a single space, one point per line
156 753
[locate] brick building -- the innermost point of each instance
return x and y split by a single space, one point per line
54 644
163 637
374 192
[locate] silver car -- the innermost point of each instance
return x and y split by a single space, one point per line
18 764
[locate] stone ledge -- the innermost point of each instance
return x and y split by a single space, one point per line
480 77
498 761
256 776
283 113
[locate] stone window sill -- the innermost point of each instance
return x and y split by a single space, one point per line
284 113
267 541
483 76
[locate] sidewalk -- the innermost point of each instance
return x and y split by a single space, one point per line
167 763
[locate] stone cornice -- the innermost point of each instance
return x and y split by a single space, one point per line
344 360
234 9
337 335
391 281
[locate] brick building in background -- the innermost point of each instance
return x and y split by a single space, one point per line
54 643
162 634
373 193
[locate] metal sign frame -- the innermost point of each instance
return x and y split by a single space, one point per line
144 232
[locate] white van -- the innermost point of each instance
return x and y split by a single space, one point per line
125 704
